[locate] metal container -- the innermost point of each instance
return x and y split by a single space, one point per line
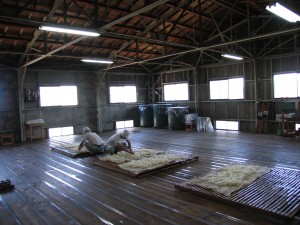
160 115
176 117
146 115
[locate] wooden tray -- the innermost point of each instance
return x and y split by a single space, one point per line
276 193
114 166
71 153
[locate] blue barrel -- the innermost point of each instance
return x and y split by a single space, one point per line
146 115
160 115
176 117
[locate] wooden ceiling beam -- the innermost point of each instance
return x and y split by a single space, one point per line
137 12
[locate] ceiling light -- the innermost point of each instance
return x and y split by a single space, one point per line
70 30
283 12
97 61
232 57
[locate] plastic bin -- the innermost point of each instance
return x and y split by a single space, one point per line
146 115
176 117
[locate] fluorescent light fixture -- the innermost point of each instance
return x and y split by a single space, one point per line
97 61
67 30
232 57
283 12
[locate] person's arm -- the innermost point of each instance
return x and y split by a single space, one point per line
81 145
129 144
129 150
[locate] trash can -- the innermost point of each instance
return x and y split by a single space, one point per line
146 115
160 115
176 117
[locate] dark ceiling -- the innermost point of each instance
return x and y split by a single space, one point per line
141 35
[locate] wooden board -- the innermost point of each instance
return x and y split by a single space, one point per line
276 193
71 153
115 167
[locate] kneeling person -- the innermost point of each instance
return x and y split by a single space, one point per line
91 141
120 142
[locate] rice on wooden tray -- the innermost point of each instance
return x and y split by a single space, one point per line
144 159
230 178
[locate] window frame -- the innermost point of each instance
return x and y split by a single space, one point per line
121 86
61 131
176 83
297 83
227 122
228 89
57 105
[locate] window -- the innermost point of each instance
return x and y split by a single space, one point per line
60 131
58 96
124 124
286 85
176 92
227 89
227 125
120 94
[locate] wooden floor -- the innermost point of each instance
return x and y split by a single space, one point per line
51 188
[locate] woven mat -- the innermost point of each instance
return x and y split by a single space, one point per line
114 166
70 152
276 193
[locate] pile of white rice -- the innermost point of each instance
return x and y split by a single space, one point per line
123 156
230 178
151 162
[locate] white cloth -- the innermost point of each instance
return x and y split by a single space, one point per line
93 138
204 124
114 140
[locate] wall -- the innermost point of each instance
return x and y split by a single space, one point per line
258 88
175 76
244 110
109 113
9 108
94 109
84 114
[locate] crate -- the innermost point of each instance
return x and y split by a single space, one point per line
7 139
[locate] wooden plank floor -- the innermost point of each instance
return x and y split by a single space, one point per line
51 188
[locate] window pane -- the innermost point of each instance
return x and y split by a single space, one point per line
67 130
221 124
218 89
236 88
227 89
59 131
58 96
122 94
214 87
120 124
169 93
129 123
285 85
223 89
176 92
227 125
53 132
181 91
232 125
68 95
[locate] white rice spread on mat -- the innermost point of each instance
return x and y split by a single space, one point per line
122 156
230 178
151 162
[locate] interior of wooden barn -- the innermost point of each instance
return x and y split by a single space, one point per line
132 112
